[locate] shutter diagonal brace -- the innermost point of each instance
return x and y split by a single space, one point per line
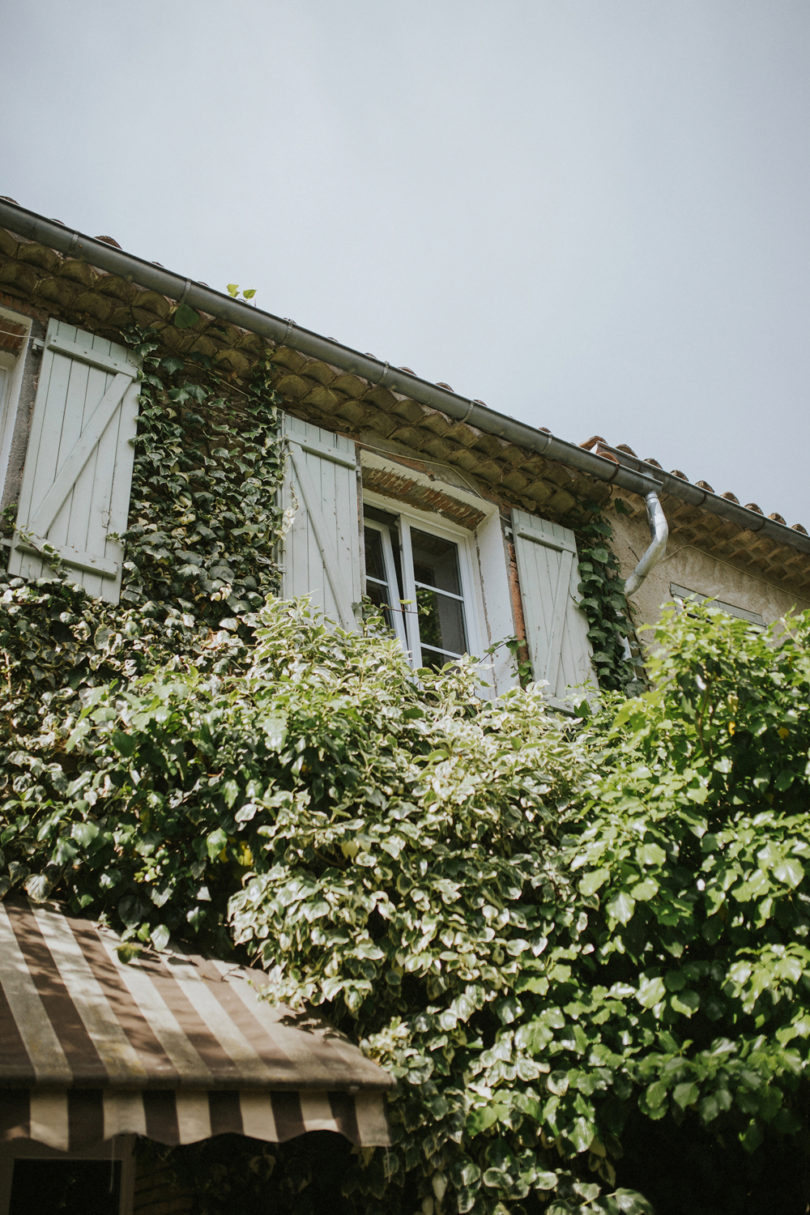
70 471
548 590
310 495
563 581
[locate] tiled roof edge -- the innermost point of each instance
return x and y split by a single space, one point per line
700 494
101 254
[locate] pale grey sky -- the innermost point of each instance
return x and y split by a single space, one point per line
592 214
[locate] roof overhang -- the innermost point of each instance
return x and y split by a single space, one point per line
92 281
320 379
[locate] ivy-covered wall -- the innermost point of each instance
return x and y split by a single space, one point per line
201 557
574 943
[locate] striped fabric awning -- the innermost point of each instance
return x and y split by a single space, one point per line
170 1046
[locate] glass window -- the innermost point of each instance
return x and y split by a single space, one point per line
382 576
13 338
415 577
74 1187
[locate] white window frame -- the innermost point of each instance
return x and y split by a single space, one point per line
10 383
397 616
682 594
405 620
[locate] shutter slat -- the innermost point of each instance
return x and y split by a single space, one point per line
82 448
73 557
556 628
78 468
92 352
322 545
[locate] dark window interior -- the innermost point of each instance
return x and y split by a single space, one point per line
73 1187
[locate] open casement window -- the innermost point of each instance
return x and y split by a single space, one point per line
420 575
684 596
556 628
322 543
78 469
14 331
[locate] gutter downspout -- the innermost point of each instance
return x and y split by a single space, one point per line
659 531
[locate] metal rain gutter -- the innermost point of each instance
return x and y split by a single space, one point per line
285 332
741 516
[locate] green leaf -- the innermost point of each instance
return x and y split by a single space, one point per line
643 891
557 1083
621 908
789 872
686 1002
230 792
651 991
84 833
123 743
631 1203
160 936
128 951
651 854
685 1094
185 317
485 1116
544 1180
38 887
215 843
593 880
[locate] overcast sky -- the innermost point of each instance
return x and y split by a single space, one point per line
591 214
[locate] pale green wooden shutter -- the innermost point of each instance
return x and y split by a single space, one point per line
556 628
78 468
322 543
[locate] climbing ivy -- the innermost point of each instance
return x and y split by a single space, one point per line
605 606
201 549
204 516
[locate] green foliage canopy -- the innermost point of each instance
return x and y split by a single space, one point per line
553 933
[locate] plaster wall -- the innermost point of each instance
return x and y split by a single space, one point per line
689 566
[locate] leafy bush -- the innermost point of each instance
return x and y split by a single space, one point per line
575 944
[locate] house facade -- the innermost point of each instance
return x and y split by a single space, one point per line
754 565
462 526
458 522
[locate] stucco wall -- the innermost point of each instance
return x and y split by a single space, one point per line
687 565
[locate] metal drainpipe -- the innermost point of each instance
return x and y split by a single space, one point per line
659 530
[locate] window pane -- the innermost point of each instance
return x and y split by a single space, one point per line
435 561
378 588
74 1187
441 624
375 564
